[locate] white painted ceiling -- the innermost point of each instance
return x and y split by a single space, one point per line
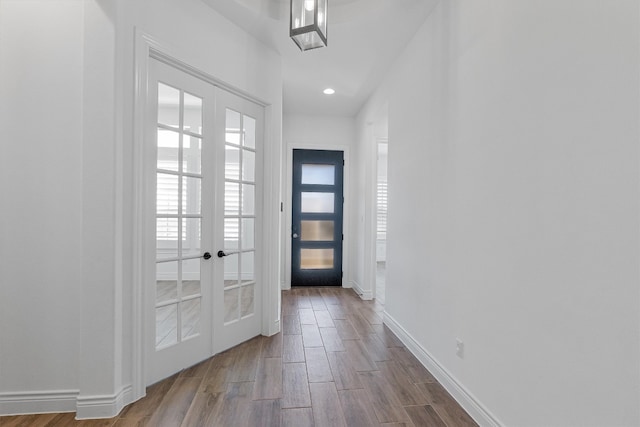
364 38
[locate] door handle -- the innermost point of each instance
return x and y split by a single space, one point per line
295 235
206 255
223 253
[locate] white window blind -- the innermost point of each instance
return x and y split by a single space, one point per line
167 228
382 208
167 201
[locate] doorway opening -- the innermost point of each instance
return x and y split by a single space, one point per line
381 219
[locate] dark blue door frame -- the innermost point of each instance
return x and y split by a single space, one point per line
304 269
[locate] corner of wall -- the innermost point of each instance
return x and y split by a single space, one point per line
106 406
363 294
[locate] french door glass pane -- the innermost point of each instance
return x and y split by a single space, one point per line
232 162
192 113
248 165
246 264
231 304
249 131
167 275
247 300
191 236
231 271
190 277
166 290
192 154
168 105
232 130
190 288
248 234
191 195
166 238
231 198
231 233
318 174
166 325
190 318
167 194
168 149
248 199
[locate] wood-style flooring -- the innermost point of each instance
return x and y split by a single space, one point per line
334 364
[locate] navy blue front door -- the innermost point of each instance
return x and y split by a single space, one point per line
316 232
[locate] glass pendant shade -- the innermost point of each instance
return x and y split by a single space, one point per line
308 26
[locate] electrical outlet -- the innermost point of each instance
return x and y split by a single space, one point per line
459 348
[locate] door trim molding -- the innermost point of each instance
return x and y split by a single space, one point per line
146 47
346 209
160 55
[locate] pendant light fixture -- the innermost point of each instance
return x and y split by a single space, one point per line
308 25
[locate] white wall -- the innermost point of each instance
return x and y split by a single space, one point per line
205 40
41 68
513 210
318 132
67 86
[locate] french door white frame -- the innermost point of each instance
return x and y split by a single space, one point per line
346 212
147 47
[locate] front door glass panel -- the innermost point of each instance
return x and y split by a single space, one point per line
316 259
315 202
318 174
317 231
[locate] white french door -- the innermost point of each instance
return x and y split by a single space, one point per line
238 298
203 292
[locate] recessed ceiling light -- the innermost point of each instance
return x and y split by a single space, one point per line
329 91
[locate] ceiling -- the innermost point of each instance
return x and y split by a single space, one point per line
364 38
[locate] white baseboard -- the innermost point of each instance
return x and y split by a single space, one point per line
38 402
107 406
474 408
161 275
275 328
365 295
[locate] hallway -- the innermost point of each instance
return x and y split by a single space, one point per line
334 364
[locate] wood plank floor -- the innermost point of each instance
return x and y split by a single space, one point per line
334 364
